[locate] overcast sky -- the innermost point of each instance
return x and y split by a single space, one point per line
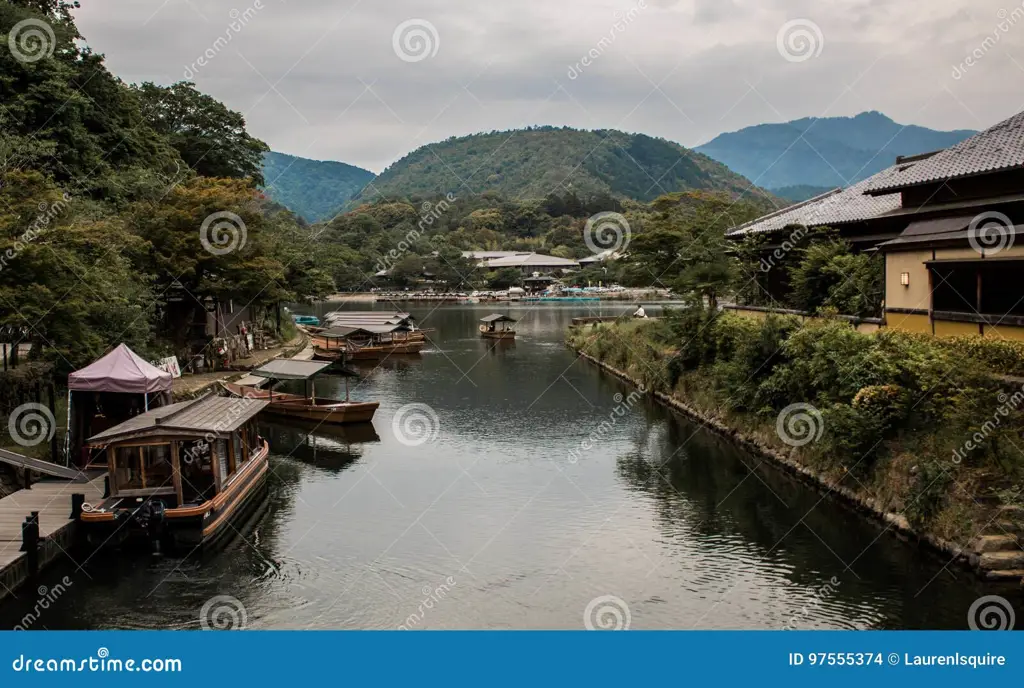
333 80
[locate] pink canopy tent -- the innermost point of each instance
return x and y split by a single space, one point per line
122 370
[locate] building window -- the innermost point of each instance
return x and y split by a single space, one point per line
224 461
983 287
236 443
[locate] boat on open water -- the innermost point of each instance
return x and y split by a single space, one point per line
497 326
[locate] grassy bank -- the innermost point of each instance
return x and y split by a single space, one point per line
913 426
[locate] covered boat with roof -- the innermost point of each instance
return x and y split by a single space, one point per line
303 406
180 475
497 326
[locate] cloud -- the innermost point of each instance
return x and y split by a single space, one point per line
321 78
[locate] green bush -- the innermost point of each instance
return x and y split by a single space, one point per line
1004 356
753 355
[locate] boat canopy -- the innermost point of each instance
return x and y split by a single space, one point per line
282 369
496 317
341 332
122 370
340 318
367 315
209 415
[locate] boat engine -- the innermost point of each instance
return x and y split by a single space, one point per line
150 517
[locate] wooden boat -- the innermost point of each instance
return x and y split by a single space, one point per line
180 475
365 343
304 407
497 326
307 408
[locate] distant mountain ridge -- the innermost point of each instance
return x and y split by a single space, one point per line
312 189
538 161
823 152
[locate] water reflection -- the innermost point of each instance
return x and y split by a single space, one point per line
326 446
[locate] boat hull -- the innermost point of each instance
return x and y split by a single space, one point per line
368 353
498 335
183 528
321 411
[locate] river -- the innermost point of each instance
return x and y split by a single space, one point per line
511 506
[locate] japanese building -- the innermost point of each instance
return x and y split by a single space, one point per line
945 223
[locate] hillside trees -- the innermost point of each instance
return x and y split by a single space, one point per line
209 137
102 221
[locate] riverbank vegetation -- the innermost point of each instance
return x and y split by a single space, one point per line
913 425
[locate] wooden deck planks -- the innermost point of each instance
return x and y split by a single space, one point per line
53 502
52 499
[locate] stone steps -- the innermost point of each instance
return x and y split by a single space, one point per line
996 543
1001 561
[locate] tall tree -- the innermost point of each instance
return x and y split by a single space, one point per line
210 138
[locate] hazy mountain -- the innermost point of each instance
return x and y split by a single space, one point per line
823 152
313 189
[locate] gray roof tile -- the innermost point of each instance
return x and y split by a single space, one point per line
208 414
998 148
834 208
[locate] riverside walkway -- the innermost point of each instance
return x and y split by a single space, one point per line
52 500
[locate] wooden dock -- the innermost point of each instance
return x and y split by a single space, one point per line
52 499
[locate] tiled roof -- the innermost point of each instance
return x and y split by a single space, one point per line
286 369
535 259
833 208
998 148
209 414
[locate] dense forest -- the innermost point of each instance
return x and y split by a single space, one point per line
532 163
113 199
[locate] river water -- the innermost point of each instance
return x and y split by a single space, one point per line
502 502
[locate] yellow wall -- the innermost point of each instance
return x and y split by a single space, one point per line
945 328
917 296
909 323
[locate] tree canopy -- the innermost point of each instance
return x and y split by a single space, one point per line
113 200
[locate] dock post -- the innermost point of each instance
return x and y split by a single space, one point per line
106 486
30 542
77 500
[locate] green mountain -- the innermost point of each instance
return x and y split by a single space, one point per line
823 151
539 161
312 189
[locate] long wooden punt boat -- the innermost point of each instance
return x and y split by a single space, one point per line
369 342
304 407
180 475
497 326
404 321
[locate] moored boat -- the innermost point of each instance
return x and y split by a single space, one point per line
180 475
366 342
497 326
304 407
